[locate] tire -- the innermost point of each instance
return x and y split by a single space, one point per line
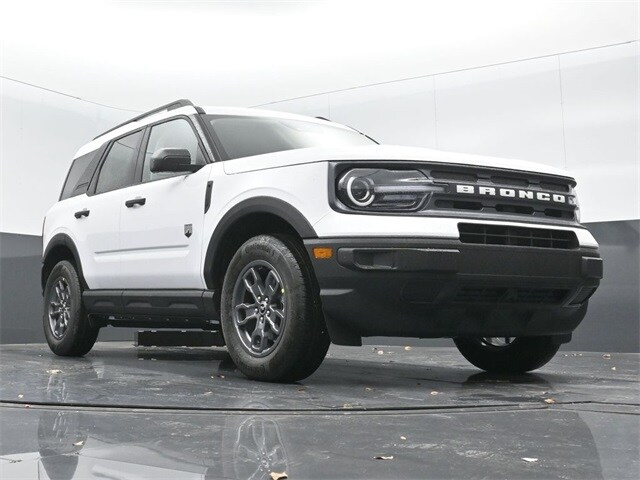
78 337
277 266
523 354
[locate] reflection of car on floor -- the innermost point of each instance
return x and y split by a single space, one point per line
81 444
250 443
287 232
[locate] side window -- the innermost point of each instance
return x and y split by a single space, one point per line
119 167
80 175
173 134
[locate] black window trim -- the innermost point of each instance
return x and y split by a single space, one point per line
209 150
145 142
98 152
91 191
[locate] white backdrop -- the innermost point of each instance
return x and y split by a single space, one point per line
40 132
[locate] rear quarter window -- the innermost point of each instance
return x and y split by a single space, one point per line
79 176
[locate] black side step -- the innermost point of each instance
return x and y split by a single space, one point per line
181 303
178 338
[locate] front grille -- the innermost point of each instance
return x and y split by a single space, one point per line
516 183
517 236
510 295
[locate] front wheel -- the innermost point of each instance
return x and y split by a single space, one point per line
507 354
270 311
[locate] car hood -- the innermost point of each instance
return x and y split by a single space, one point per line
381 152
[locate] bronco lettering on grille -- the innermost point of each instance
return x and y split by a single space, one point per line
514 193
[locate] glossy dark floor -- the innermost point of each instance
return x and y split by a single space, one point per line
123 412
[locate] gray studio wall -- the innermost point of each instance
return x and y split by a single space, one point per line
576 111
40 132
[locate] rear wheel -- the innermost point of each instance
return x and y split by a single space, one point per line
66 325
507 354
271 316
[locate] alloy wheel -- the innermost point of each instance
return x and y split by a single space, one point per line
497 341
259 308
59 308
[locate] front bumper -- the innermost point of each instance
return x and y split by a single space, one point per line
421 287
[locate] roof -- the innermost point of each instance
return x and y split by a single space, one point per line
186 107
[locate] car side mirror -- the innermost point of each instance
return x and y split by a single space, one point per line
174 160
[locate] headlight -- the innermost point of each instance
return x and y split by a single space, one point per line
375 189
574 200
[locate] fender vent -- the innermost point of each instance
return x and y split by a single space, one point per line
517 236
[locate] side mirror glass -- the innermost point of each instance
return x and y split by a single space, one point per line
173 160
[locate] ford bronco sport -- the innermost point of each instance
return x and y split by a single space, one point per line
287 233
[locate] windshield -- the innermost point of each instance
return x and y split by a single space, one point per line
241 136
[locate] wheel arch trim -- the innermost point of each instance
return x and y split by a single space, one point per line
263 204
62 240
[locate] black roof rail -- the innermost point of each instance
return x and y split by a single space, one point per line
169 106
323 118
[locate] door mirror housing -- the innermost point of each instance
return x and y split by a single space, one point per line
173 160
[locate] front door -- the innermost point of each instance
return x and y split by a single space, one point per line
161 221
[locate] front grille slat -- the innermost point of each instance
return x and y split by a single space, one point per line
482 234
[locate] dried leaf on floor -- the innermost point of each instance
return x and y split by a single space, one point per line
79 444
549 400
278 475
383 457
606 356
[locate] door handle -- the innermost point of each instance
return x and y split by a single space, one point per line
135 201
81 213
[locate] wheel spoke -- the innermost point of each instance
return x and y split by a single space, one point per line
272 284
278 311
258 337
246 306
242 321
274 328
253 282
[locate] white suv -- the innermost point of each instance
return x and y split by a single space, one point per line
288 233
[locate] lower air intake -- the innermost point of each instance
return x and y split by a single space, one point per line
517 236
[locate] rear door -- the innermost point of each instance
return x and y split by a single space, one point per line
97 216
163 214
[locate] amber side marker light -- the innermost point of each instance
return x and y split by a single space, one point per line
322 252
